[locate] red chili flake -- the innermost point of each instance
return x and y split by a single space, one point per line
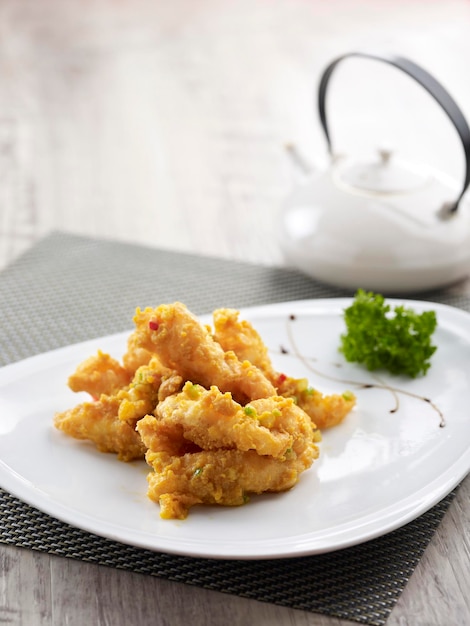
281 379
153 325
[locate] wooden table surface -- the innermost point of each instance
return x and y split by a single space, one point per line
166 124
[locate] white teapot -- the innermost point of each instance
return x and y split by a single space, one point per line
384 225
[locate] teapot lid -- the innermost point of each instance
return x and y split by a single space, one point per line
382 175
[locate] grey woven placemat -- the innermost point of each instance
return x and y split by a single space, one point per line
67 289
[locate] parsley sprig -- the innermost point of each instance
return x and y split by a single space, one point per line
379 338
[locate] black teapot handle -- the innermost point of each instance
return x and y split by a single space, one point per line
429 83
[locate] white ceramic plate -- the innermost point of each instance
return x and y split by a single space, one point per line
387 464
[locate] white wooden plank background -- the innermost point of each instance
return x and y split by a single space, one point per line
165 123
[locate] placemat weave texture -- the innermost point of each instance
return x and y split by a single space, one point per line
76 288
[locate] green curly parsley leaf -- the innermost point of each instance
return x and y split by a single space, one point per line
379 338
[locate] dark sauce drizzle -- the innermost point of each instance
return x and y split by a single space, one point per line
395 391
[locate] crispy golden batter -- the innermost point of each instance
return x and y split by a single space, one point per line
222 476
135 356
325 410
99 374
110 422
99 422
240 337
151 383
236 450
183 344
212 420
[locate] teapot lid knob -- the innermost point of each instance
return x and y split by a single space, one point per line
385 153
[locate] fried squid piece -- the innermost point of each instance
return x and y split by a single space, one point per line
326 410
183 344
204 448
99 423
151 383
135 356
224 477
110 422
99 374
240 337
212 420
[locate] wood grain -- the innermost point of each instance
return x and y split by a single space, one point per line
166 124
